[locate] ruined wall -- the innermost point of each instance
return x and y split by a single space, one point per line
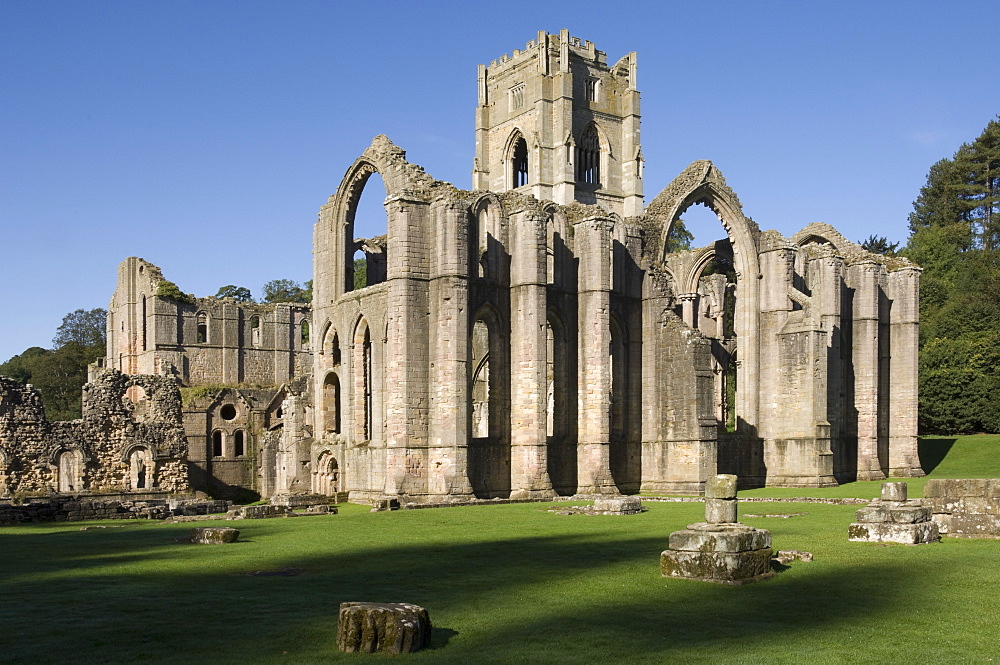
965 507
203 341
130 438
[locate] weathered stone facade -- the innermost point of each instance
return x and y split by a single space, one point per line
536 335
130 439
234 361
540 338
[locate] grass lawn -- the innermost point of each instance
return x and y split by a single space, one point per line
503 584
959 456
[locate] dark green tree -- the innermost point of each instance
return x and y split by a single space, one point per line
955 237
679 238
286 290
237 293
879 245
19 367
86 327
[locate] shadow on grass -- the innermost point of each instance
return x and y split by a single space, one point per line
562 598
932 451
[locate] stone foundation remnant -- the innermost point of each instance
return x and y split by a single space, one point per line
213 535
618 505
382 627
965 507
719 550
894 519
258 512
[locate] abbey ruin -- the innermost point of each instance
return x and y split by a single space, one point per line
535 335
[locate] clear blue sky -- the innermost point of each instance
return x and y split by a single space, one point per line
204 136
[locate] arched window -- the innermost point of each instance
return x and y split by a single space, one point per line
140 469
239 448
217 447
331 403
519 162
482 396
202 336
363 378
143 322
304 333
588 157
255 330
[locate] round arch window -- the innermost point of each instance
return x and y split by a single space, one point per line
228 412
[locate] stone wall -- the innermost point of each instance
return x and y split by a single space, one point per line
965 507
130 438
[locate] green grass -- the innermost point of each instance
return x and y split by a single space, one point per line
960 456
503 584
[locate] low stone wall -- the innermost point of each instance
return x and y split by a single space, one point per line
78 509
968 507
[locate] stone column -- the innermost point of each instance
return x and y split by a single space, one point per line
863 278
406 348
904 325
529 474
593 247
449 427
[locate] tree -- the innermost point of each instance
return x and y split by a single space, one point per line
86 327
679 238
955 237
237 293
20 366
286 290
879 245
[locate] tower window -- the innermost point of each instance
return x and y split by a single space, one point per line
592 89
517 97
519 163
588 157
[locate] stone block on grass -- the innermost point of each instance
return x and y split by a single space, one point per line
214 535
382 627
618 505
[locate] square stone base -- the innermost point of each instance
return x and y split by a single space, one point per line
720 567
889 532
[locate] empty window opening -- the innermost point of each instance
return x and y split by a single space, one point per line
143 322
592 89
481 394
335 351
519 163
228 412
516 97
217 448
255 330
140 469
304 334
588 157
202 335
367 231
331 403
239 449
480 243
555 375
363 380
703 226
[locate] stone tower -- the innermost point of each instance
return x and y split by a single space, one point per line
555 121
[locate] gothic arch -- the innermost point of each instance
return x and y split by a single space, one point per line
819 232
486 221
702 183
516 160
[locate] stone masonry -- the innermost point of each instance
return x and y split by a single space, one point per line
535 335
720 549
894 519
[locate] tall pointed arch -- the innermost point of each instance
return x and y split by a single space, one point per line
702 182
